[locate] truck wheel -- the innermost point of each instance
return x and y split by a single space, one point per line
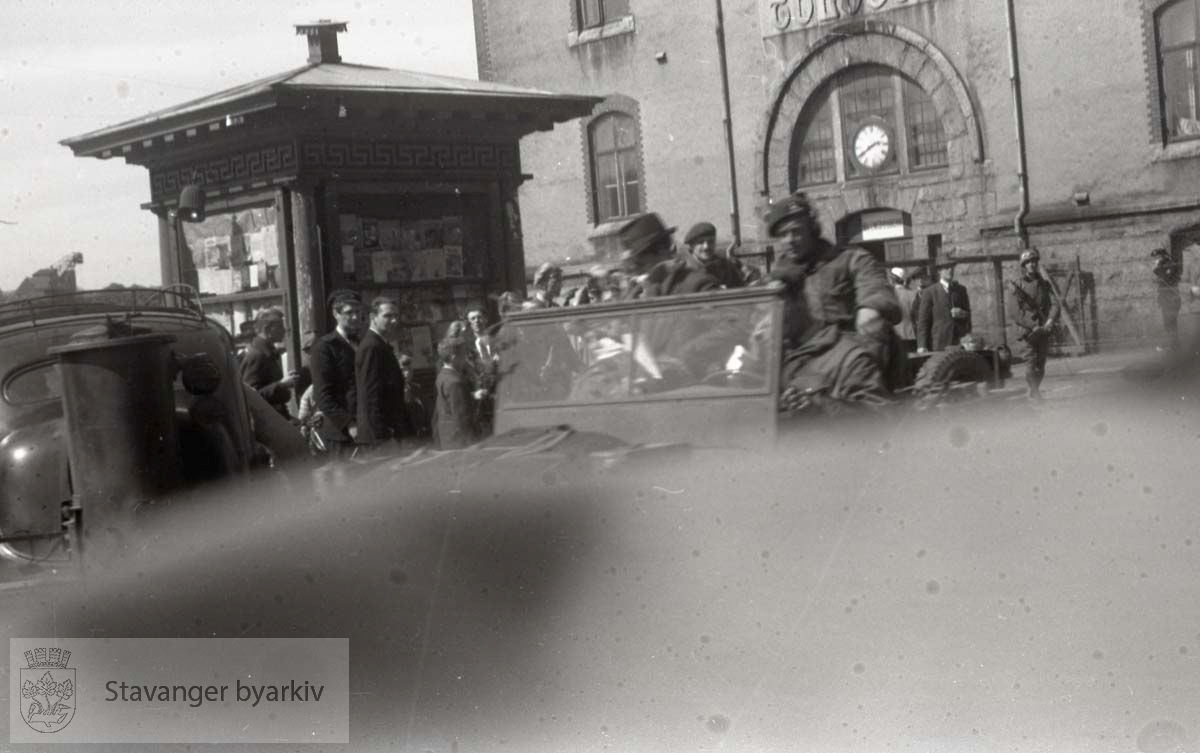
950 367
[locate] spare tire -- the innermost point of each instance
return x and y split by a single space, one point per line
951 366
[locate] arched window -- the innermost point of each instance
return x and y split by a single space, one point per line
1179 68
866 121
616 166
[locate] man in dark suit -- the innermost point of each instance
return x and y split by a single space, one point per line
262 364
379 382
945 312
333 375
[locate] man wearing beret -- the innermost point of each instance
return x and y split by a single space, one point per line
838 339
702 241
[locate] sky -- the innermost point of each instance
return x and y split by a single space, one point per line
68 67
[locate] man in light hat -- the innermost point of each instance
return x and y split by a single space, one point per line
547 285
906 296
944 316
838 316
701 240
650 258
1035 313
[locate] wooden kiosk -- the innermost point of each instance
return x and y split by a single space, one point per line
337 175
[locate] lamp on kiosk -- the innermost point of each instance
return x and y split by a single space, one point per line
191 204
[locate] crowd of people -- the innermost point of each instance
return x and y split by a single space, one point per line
849 328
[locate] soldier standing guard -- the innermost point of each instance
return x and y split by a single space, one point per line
1035 314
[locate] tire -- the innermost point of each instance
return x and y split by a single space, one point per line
949 367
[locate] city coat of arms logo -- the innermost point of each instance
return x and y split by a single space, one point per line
47 689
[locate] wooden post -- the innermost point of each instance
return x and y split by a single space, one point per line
305 263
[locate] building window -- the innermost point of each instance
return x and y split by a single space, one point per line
867 121
1179 71
616 166
595 13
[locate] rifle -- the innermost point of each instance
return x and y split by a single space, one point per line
1034 306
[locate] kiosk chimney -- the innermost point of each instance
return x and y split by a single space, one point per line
322 40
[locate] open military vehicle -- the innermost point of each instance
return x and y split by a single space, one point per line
680 368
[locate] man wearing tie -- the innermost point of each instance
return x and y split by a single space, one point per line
485 363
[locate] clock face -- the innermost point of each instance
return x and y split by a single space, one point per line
872 144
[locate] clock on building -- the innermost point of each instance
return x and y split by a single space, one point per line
872 145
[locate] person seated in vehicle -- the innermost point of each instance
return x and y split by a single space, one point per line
839 310
547 285
701 241
656 270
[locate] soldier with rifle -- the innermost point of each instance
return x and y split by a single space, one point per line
1035 312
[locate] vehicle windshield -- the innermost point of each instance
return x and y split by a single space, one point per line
656 350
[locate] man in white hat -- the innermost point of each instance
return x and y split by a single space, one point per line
906 296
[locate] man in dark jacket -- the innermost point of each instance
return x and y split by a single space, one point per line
650 258
1034 312
454 416
838 339
262 364
702 243
379 382
333 375
944 316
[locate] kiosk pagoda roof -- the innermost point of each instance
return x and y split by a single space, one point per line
324 89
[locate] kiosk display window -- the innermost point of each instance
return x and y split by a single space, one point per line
233 252
429 253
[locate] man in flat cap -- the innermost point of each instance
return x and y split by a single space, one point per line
944 317
650 258
701 240
840 308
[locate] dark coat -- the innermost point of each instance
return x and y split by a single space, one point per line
823 350
829 291
333 385
673 277
379 392
454 415
262 370
936 329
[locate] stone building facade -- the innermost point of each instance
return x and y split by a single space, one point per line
897 116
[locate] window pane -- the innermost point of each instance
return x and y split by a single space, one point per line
626 135
816 155
1177 24
589 13
926 137
602 135
614 9
607 205
630 181
1179 75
